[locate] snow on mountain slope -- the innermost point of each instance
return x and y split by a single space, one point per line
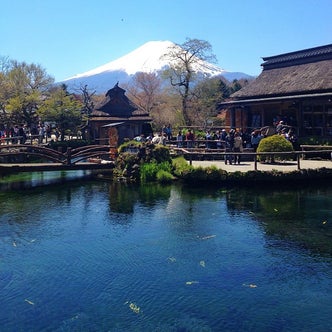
147 58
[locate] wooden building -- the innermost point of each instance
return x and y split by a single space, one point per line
117 118
294 87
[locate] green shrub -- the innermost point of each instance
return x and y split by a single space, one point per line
159 153
213 173
164 176
127 165
141 161
149 171
129 145
200 134
181 166
274 143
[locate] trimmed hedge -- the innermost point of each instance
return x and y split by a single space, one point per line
274 143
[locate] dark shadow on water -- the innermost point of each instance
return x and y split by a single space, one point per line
299 214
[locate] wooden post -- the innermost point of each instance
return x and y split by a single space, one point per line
255 162
69 156
298 160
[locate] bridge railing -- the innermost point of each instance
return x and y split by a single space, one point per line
70 157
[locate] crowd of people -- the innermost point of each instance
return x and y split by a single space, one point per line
19 134
233 140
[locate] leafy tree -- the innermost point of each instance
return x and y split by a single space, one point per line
181 73
207 95
62 109
224 89
23 86
236 86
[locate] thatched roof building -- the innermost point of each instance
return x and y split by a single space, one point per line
116 110
296 87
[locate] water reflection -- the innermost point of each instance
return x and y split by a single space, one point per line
101 256
123 197
300 215
35 179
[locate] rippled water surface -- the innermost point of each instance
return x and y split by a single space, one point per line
95 256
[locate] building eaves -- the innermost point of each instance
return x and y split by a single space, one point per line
252 101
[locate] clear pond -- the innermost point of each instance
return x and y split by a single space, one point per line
97 256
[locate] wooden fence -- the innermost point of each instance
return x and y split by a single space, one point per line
203 154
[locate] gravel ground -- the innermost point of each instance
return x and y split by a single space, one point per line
250 166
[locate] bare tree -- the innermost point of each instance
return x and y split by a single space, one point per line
181 73
144 90
87 99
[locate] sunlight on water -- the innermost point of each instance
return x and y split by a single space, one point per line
110 257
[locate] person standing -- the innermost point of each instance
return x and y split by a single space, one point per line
190 137
229 143
22 134
169 132
41 133
238 147
255 139
179 139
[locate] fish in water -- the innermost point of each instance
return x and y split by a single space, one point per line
192 282
208 237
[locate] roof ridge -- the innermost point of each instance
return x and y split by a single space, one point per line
325 50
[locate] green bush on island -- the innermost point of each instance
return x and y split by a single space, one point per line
139 161
199 175
129 145
161 172
274 143
181 166
127 166
164 176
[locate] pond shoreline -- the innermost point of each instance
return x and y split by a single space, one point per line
217 173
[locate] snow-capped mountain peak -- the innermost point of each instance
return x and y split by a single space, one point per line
147 58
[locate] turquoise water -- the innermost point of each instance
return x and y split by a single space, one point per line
95 256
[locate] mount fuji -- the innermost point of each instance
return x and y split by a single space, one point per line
147 58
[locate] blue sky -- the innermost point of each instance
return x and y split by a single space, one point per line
68 37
